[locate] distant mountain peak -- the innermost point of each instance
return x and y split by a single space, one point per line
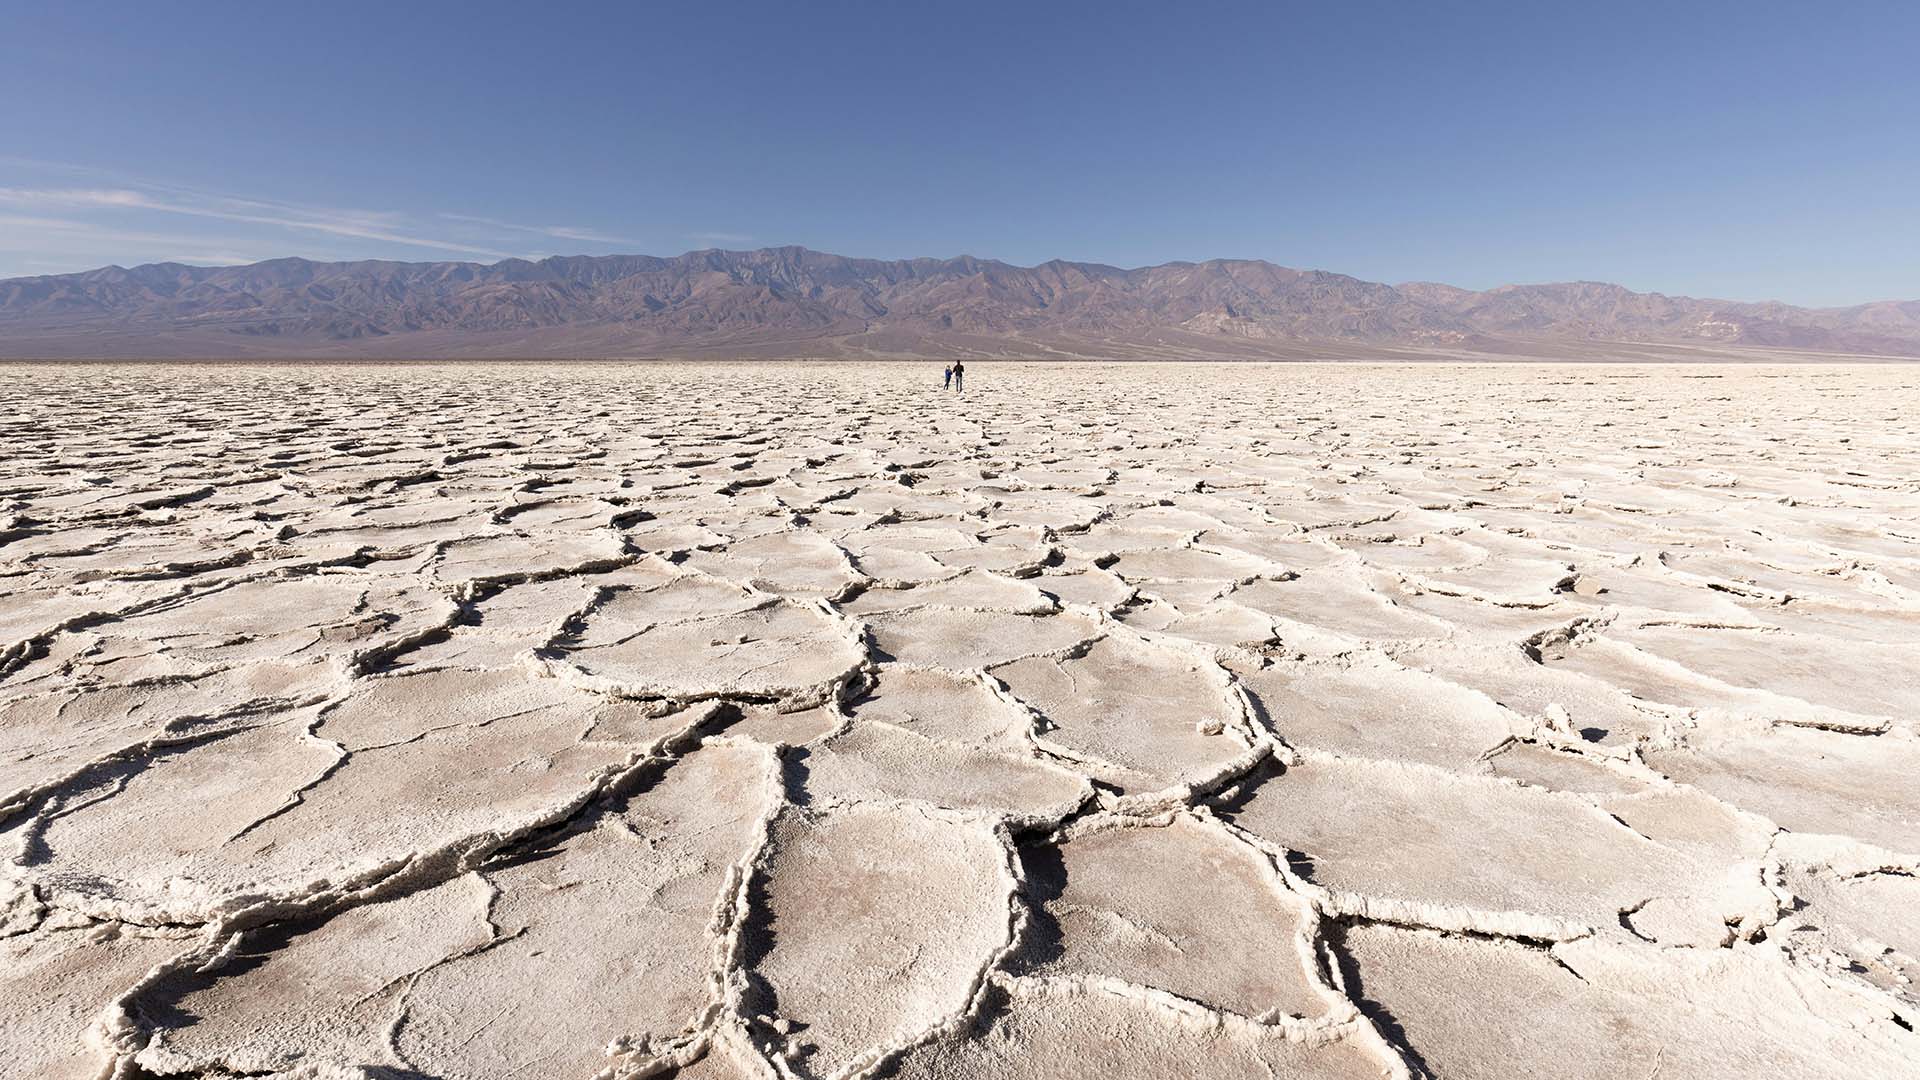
792 300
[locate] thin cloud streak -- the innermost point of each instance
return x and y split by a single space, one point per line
563 232
20 226
32 245
79 217
149 184
239 210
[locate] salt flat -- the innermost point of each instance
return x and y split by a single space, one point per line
806 721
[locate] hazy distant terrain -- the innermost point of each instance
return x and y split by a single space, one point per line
794 302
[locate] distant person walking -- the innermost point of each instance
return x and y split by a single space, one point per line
959 377
948 383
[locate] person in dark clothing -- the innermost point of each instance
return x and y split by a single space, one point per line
959 377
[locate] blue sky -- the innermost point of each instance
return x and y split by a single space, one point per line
1745 151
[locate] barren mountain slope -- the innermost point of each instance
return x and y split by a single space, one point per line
792 301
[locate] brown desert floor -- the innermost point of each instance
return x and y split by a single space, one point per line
805 721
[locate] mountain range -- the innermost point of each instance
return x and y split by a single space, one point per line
791 301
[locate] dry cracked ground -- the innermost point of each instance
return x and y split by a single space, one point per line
801 721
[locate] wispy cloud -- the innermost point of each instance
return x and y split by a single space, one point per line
363 226
81 215
31 244
563 232
72 197
22 231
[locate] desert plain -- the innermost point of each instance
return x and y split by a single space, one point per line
804 720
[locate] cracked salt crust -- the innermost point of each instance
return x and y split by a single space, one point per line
630 721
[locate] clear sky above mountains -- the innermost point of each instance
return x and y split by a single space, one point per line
1738 150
